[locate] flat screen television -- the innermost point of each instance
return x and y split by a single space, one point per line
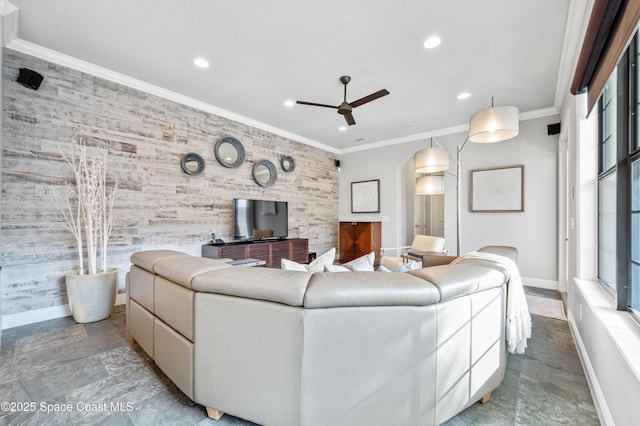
260 219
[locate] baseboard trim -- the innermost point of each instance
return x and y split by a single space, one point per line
592 380
540 283
39 315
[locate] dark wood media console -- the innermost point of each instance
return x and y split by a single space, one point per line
271 251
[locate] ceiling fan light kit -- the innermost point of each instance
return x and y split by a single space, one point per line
345 108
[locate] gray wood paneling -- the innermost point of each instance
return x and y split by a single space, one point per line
158 206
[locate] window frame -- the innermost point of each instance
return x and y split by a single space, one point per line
626 151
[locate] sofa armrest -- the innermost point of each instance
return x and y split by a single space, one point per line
433 259
506 251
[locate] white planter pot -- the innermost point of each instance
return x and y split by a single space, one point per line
91 297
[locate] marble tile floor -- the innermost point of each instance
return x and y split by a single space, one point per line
61 373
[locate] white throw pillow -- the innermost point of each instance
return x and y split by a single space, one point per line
336 268
363 263
290 265
402 268
316 266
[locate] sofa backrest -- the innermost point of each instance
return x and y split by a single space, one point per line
339 289
273 285
421 287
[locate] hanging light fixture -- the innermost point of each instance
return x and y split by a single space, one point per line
430 185
431 160
495 124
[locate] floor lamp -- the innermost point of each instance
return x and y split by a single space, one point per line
494 124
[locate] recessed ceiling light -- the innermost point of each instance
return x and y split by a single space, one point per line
342 128
431 42
201 62
464 95
289 103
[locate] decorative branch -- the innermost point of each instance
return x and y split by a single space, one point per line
88 209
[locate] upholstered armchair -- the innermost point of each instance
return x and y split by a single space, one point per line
421 245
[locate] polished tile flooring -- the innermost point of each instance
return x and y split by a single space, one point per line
61 373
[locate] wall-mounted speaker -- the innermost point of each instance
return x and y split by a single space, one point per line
30 78
337 163
553 129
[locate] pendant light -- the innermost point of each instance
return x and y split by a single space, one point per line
430 185
431 160
495 124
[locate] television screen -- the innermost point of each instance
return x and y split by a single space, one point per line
258 219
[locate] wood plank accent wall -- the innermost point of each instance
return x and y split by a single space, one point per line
159 206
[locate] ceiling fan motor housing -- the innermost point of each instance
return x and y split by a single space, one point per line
344 108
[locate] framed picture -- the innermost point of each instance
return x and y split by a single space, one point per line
365 196
499 189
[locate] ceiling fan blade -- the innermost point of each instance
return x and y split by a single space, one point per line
349 117
369 98
315 104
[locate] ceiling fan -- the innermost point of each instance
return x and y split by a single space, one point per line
346 108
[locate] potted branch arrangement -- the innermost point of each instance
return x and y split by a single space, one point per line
87 209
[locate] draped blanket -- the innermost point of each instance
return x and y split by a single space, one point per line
518 318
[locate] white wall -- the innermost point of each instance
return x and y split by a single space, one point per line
533 232
608 340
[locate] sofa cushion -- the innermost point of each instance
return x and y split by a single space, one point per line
275 285
462 278
368 289
147 258
182 270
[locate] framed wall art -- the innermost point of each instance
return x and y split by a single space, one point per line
499 189
365 196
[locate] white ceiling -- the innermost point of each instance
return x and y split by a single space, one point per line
265 52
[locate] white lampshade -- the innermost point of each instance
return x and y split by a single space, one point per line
430 185
494 124
431 160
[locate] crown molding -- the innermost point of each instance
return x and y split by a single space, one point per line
8 22
97 71
53 56
577 19
529 115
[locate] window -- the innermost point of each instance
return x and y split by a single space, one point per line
607 184
608 123
607 231
619 182
635 235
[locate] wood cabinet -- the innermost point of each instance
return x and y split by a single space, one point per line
358 239
296 249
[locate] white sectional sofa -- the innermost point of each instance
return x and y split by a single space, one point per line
296 348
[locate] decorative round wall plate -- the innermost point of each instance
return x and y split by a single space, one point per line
288 164
229 152
265 173
192 164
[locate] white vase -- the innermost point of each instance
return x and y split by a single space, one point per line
91 297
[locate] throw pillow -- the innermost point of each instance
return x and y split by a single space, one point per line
402 268
363 263
290 265
336 268
316 266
